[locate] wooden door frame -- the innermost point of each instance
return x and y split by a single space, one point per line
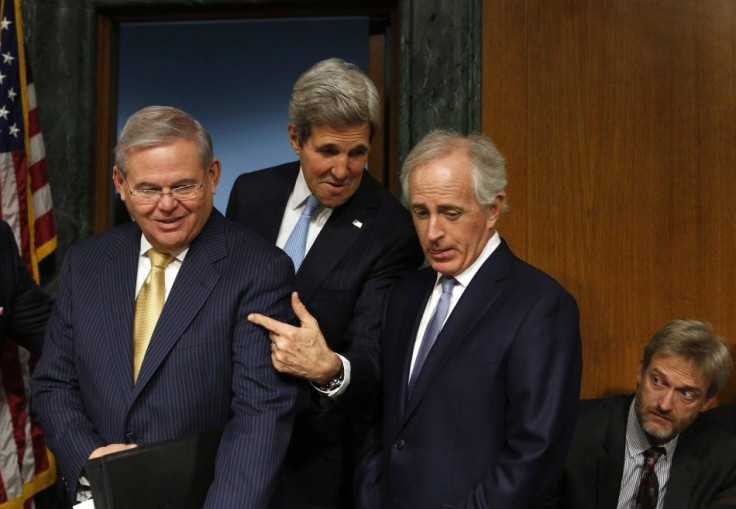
383 40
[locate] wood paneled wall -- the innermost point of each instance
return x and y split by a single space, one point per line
618 122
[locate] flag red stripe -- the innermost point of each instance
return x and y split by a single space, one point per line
16 396
33 123
37 173
21 174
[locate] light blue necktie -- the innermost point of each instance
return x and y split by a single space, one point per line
433 328
296 245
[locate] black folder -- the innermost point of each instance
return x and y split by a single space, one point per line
174 474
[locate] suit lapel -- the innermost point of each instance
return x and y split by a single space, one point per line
194 283
610 458
278 194
684 471
120 273
342 230
414 307
477 299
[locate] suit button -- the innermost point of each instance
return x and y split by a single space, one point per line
131 438
400 443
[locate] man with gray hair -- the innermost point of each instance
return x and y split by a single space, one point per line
149 339
349 240
651 450
481 351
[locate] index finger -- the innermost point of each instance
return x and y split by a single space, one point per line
270 324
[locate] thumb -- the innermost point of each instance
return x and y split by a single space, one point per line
300 310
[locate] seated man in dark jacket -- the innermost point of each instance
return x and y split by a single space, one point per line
651 450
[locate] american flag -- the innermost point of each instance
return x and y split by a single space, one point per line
26 466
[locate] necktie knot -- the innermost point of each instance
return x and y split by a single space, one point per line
312 203
652 455
448 283
159 260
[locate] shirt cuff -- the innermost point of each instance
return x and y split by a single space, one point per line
84 491
334 393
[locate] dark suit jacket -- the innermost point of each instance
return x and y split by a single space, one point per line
723 417
343 282
704 463
490 417
25 306
206 367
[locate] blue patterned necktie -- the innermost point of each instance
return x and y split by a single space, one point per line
648 492
433 328
296 245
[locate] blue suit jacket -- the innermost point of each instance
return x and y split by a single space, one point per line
25 306
365 246
206 366
490 418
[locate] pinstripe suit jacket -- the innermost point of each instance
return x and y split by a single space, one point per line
366 244
206 366
25 306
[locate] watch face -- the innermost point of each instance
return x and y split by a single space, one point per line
332 384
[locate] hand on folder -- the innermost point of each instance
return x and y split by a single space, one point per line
109 449
175 473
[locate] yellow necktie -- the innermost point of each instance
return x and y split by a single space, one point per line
148 307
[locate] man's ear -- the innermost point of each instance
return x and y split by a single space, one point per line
213 172
294 140
494 211
118 180
708 403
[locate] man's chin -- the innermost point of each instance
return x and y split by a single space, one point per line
659 434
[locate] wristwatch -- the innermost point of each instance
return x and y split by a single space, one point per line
332 384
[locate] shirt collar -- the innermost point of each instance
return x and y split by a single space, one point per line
467 275
145 246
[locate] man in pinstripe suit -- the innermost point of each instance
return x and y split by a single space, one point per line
683 367
206 367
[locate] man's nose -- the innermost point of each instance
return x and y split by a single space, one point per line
667 400
434 229
167 201
340 168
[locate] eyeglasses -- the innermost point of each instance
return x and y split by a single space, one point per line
179 193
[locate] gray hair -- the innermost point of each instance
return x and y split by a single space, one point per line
697 342
488 165
154 126
333 93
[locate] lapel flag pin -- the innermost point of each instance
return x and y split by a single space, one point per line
357 223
